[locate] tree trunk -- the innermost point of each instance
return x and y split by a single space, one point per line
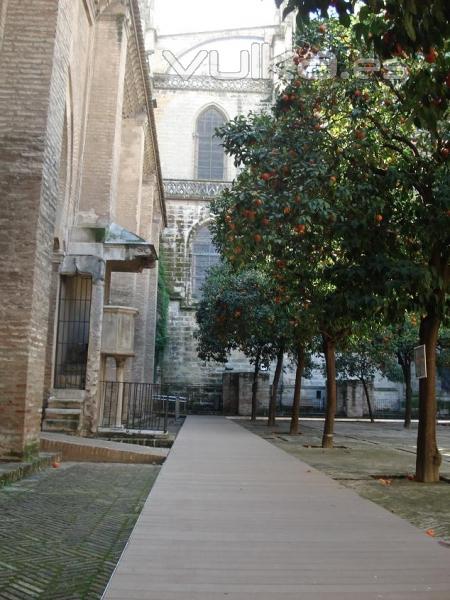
406 368
369 404
297 390
255 388
428 457
274 393
329 347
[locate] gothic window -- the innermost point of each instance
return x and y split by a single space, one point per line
204 256
210 154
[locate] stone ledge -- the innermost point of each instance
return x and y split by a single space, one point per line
95 450
13 471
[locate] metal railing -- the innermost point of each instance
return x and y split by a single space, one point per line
198 399
386 410
139 406
312 403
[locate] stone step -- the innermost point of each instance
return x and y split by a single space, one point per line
69 403
63 411
76 448
68 394
14 471
60 425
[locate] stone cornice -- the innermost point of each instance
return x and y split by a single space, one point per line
207 83
137 25
194 189
238 30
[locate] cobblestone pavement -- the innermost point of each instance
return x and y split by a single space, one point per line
375 461
62 531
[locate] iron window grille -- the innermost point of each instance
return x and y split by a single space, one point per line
72 339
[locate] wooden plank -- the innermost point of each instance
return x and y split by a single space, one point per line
233 516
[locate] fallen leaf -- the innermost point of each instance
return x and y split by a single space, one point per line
385 482
431 532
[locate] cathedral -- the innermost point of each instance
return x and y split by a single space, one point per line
82 208
201 80
108 165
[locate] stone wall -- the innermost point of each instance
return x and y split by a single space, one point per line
238 391
76 71
177 115
181 100
34 63
351 399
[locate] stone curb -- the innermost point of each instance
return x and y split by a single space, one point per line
12 472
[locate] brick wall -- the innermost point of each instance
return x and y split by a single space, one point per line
33 62
77 93
103 134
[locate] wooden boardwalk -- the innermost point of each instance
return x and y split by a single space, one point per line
233 517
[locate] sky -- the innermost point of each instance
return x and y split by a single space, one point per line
180 16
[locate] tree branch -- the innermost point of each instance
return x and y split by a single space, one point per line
389 136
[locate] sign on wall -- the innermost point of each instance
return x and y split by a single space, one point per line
420 361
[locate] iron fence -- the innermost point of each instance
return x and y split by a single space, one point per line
198 399
312 402
385 409
142 406
146 406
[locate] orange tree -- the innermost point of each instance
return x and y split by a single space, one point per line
392 133
281 213
395 172
359 361
237 312
395 356
342 186
396 28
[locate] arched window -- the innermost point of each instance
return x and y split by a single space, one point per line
204 256
210 154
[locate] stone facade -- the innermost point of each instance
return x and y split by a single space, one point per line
81 199
238 391
192 72
183 93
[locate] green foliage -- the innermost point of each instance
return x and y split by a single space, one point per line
358 361
341 194
377 347
391 28
162 312
443 357
237 311
395 348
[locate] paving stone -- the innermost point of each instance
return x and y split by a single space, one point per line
62 531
